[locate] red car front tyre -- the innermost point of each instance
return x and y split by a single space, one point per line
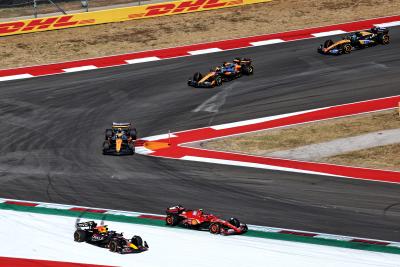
172 220
215 228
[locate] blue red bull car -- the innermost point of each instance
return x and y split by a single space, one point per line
100 236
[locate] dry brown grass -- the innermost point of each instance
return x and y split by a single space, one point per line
131 36
382 157
264 142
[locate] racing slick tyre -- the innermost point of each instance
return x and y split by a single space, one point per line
384 39
245 228
133 134
108 133
106 146
113 246
328 43
215 228
137 241
346 49
172 219
197 77
235 222
80 236
131 146
247 70
218 81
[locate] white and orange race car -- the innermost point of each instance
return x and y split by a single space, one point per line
357 40
336 48
120 139
226 72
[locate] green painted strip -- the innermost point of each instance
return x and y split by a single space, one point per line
325 242
85 215
161 223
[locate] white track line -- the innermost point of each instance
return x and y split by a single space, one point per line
338 237
15 77
143 150
142 60
82 68
259 120
158 137
54 206
389 24
204 51
329 33
267 42
251 165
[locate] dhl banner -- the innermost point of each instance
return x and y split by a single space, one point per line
117 15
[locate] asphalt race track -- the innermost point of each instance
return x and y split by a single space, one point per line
53 127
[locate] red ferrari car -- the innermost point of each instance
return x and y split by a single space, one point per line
197 219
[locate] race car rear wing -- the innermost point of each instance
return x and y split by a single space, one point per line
242 61
175 209
121 124
90 224
382 30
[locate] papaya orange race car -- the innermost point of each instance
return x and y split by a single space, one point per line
227 72
338 48
357 40
372 37
209 80
120 139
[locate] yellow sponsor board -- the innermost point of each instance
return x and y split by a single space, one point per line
117 15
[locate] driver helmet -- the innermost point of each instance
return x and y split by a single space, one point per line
119 132
102 229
